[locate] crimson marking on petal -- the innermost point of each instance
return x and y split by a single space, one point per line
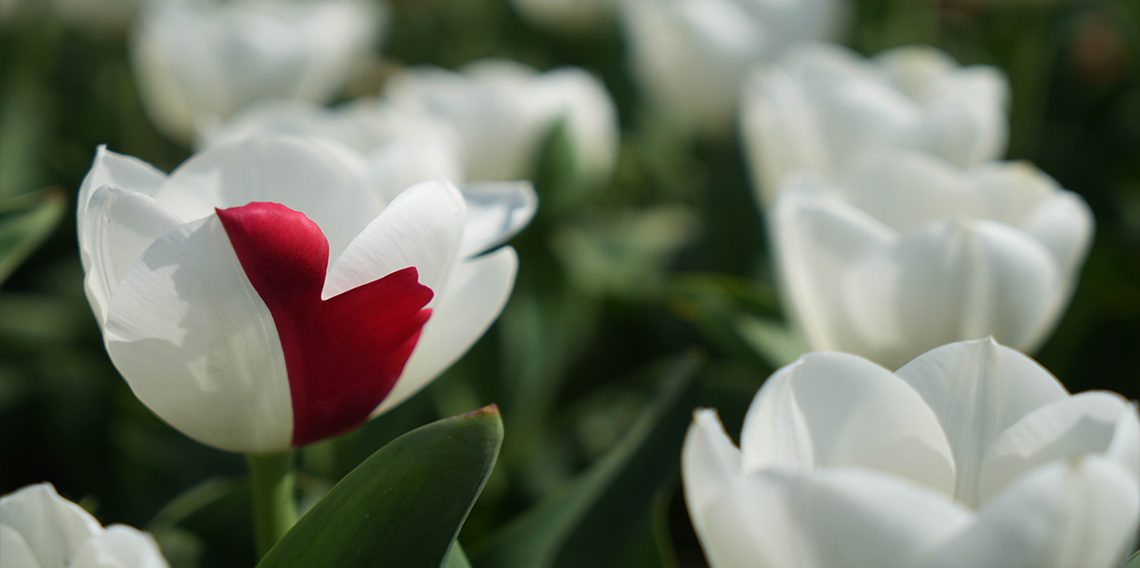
344 354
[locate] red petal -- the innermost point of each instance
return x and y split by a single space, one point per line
343 354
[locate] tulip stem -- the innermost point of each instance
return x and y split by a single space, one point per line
271 487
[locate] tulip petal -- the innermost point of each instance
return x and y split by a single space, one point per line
817 240
1125 446
120 546
468 303
118 226
15 551
1070 514
709 464
782 131
198 346
978 389
853 518
53 528
948 281
1064 223
301 174
131 174
422 227
496 211
344 353
835 409
750 524
1065 428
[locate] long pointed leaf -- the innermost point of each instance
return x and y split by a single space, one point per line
404 505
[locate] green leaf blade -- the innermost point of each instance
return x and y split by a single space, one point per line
404 505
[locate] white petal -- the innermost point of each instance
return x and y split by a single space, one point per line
120 546
1069 427
905 188
475 293
1012 189
119 225
1080 514
835 409
15 551
591 119
198 346
781 132
862 118
856 519
1125 446
52 527
400 164
422 227
750 524
303 174
816 241
916 70
978 389
967 122
949 281
1064 224
709 464
126 172
496 211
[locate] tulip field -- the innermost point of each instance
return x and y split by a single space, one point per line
569 283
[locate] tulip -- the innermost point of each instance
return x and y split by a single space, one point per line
219 305
40 529
909 252
197 63
504 111
398 148
822 108
970 455
689 55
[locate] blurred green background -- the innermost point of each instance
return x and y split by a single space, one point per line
632 306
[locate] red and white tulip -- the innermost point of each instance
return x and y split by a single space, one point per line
264 295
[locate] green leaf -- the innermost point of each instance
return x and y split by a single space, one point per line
773 341
404 505
595 518
456 558
1134 562
25 222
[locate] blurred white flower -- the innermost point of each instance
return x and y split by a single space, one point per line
907 252
971 455
690 56
504 112
399 148
40 529
823 108
567 16
197 63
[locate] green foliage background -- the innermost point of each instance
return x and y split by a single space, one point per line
628 308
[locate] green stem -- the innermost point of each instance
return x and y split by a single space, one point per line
271 486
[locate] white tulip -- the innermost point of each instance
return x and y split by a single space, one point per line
971 455
265 295
399 148
504 111
199 62
822 108
40 529
908 252
567 16
690 56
